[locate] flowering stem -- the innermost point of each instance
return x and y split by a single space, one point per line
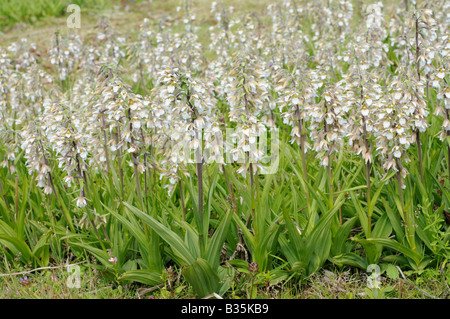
145 169
91 221
417 47
330 179
303 155
182 199
419 146
328 154
253 194
199 161
400 192
49 175
200 189
230 186
419 154
16 198
135 162
247 111
52 185
119 155
448 146
84 191
366 143
340 208
105 142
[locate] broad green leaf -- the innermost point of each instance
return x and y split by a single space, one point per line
147 277
18 244
341 237
202 277
215 244
350 259
390 243
165 233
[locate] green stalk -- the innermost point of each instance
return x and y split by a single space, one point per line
328 154
419 154
135 163
105 142
417 133
84 193
199 161
303 156
369 215
448 145
119 156
16 198
330 179
247 154
180 187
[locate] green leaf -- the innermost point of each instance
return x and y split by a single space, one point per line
202 277
392 271
148 277
390 243
341 237
18 244
101 255
215 244
165 233
350 259
383 227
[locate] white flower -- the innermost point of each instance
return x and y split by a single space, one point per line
81 201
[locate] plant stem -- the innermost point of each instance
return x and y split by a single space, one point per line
180 187
419 154
200 189
303 155
119 162
366 143
135 162
400 193
16 198
330 179
419 146
247 111
340 208
199 161
328 154
417 47
145 169
105 142
448 146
